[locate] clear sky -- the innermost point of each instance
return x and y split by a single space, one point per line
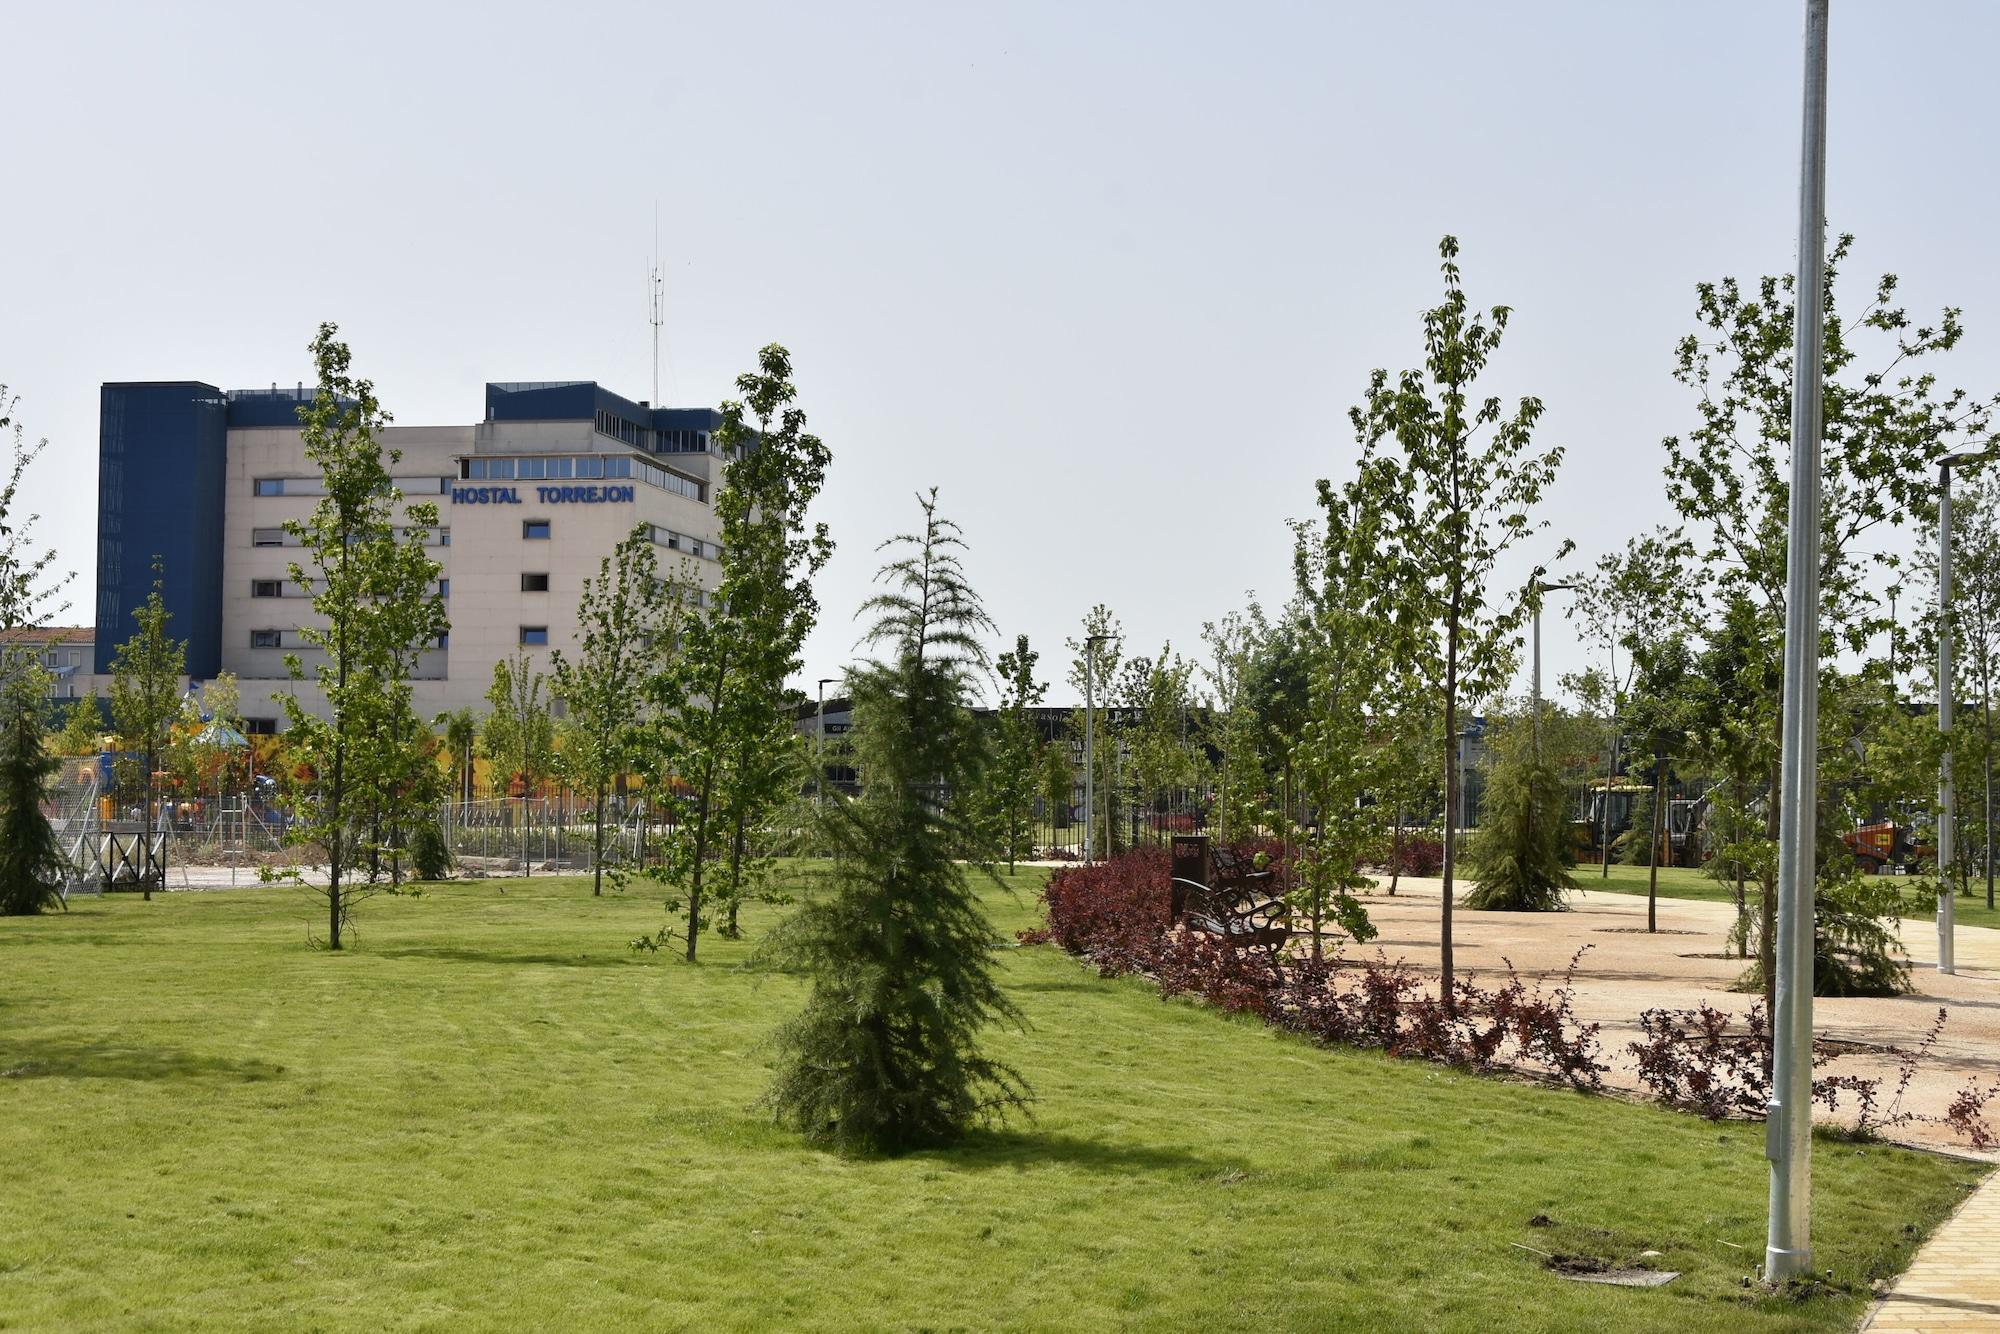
1109 275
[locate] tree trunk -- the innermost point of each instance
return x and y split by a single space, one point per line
1659 820
1452 779
1767 945
597 844
1736 837
1396 854
1986 709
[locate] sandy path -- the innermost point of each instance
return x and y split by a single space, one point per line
1627 971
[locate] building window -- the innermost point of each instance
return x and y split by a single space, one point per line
444 537
444 588
534 583
267 537
533 636
267 639
268 486
260 726
267 588
444 640
535 530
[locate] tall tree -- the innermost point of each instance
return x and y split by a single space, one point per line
1017 758
1887 420
519 735
31 860
145 700
1156 694
623 622
719 738
1467 485
885 1056
31 583
376 604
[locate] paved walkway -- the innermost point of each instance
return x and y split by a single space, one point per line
1954 1283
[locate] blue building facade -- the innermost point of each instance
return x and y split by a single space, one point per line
162 448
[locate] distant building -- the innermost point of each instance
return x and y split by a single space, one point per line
530 500
67 653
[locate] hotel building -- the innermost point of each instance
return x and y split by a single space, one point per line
530 500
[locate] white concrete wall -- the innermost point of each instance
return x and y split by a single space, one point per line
484 561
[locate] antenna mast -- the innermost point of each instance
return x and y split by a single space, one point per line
656 293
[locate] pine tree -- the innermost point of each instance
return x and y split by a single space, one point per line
1518 852
31 861
885 1056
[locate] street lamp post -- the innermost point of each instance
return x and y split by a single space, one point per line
1090 743
1788 1127
819 745
1539 589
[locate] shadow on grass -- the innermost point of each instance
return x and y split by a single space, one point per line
462 954
985 1150
104 1060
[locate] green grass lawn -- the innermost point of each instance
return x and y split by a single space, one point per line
1682 882
492 1114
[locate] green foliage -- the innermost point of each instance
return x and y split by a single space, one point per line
1856 948
430 856
31 583
1235 644
885 1056
519 735
1096 656
1635 845
145 699
371 763
31 861
1156 693
720 739
622 627
461 740
82 729
1520 852
1017 753
1465 482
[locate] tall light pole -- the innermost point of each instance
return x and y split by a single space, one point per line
1090 743
1539 589
1788 1128
819 744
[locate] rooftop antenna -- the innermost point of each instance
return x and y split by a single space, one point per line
656 292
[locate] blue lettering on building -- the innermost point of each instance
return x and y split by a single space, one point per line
547 495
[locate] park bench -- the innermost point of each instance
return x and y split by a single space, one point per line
1218 893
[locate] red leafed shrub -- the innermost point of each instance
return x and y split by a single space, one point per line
1691 1060
1967 1114
1237 980
1417 856
1114 913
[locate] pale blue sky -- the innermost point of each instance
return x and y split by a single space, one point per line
1107 274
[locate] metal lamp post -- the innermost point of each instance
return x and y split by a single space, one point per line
819 745
1539 589
1090 743
1788 1128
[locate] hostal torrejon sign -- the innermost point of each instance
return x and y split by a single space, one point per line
546 495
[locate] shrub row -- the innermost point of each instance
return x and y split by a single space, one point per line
1118 915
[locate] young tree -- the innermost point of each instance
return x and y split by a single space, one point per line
1886 423
1466 484
1156 694
31 583
720 733
376 604
1975 516
1017 759
1234 643
623 620
519 735
1354 648
83 728
1093 668
1519 853
885 1056
145 700
461 739
31 861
